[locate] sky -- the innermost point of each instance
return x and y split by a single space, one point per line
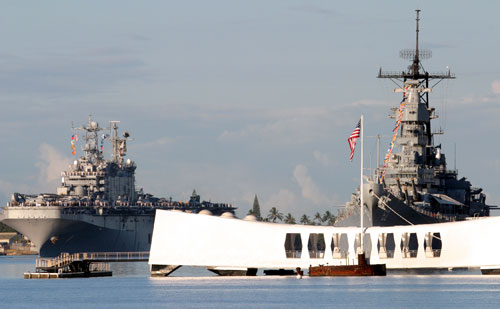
240 98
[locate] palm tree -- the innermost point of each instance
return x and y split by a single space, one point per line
305 219
332 220
318 218
274 215
329 218
289 219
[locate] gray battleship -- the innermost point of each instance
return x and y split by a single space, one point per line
97 207
415 186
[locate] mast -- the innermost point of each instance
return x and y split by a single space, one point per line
91 137
416 59
115 141
378 151
417 77
361 188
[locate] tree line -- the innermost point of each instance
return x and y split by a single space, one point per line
275 215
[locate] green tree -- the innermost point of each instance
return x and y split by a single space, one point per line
329 218
318 218
305 219
256 208
274 215
6 228
289 219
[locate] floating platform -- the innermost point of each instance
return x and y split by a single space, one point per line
233 271
279 272
45 275
490 270
82 265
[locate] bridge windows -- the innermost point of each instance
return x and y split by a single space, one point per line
409 245
433 245
293 245
316 245
386 245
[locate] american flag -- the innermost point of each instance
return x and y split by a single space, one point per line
352 139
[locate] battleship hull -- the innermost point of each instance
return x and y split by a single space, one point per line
392 212
54 232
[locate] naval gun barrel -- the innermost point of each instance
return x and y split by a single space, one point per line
416 195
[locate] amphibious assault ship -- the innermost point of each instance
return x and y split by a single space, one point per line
414 185
97 207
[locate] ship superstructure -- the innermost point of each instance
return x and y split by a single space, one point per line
414 185
95 179
97 208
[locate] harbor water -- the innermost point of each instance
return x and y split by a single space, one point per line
132 287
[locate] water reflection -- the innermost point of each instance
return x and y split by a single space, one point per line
16 266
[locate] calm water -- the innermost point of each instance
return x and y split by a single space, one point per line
131 287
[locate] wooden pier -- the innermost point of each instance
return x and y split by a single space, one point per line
82 265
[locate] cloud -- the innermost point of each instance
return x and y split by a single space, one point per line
495 86
51 163
369 102
321 158
162 141
308 187
437 45
138 37
315 10
282 131
7 188
487 98
283 200
77 72
289 126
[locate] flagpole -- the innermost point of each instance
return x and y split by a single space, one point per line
362 202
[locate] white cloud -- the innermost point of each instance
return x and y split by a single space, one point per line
283 200
162 141
7 188
307 185
51 163
321 158
369 102
289 126
495 86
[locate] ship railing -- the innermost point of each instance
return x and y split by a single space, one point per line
440 216
99 267
170 205
66 258
112 256
83 173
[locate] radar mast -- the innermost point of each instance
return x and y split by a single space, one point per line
91 151
417 77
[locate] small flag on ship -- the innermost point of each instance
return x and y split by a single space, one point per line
74 138
352 139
